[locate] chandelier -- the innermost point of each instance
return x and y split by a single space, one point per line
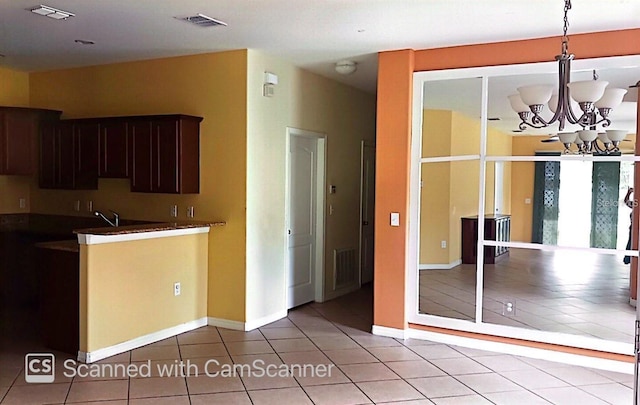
593 98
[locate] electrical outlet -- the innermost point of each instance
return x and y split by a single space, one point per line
76 206
22 202
176 289
89 206
174 211
190 212
443 244
509 307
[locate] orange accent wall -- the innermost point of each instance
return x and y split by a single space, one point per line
395 78
395 82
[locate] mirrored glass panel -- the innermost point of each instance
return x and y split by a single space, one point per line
505 96
576 292
448 235
571 202
451 117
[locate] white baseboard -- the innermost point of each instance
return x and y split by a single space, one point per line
225 323
265 320
440 266
246 326
632 302
389 332
90 357
525 351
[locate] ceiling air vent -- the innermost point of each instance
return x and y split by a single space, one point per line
202 20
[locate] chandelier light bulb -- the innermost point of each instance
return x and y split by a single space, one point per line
535 94
587 91
588 135
517 104
611 98
567 137
616 135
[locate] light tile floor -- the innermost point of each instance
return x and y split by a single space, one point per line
578 293
366 369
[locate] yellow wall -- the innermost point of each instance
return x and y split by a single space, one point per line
434 212
465 178
434 200
14 92
450 190
302 100
212 86
242 158
126 288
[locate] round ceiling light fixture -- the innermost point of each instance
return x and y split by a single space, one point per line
346 67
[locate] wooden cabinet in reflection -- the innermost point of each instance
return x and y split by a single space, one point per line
496 227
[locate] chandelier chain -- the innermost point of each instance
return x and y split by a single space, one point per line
565 38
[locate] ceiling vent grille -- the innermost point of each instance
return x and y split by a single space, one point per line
202 20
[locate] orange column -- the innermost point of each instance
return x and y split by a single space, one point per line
393 144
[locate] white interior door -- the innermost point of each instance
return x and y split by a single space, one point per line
302 249
367 201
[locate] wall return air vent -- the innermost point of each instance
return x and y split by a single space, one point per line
202 20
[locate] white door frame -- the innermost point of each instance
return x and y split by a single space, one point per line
363 144
320 209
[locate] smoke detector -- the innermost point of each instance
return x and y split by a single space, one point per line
202 20
346 67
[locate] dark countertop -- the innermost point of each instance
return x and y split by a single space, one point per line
63 245
165 226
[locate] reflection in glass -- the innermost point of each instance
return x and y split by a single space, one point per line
451 117
569 203
575 292
449 193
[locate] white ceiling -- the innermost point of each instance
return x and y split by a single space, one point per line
313 34
464 93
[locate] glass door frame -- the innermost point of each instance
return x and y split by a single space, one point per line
412 261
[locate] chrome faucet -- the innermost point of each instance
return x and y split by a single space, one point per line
116 218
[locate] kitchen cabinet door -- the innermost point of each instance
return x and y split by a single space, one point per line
114 149
85 158
64 165
19 138
17 142
69 155
139 132
48 156
165 155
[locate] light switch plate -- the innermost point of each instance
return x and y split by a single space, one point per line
395 219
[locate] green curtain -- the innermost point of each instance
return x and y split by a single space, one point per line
546 192
604 204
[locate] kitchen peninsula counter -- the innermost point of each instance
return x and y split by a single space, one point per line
129 273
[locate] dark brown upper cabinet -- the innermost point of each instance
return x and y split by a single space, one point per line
159 153
69 155
19 138
114 154
165 154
